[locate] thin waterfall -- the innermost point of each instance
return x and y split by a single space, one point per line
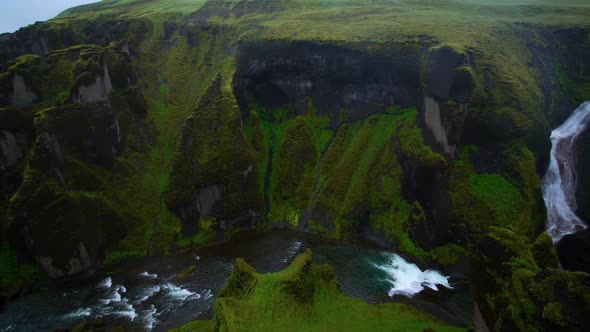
559 183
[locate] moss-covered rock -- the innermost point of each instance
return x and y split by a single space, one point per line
215 174
544 252
63 214
517 289
59 213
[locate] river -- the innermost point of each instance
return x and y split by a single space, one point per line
143 294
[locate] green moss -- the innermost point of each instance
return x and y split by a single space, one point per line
361 177
213 151
501 196
448 254
14 276
344 195
531 221
522 308
197 325
514 201
553 313
297 158
186 273
287 154
412 146
512 245
316 227
116 256
395 225
544 252
515 292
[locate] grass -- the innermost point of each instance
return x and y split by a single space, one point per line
501 196
491 30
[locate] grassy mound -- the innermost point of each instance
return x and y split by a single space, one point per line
303 297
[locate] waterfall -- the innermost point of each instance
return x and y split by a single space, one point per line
559 183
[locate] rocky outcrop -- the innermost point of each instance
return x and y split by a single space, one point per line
59 216
54 217
213 175
518 287
100 70
22 94
13 148
99 89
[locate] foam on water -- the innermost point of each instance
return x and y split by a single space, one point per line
150 318
81 312
11 327
148 293
207 294
179 293
559 183
116 302
407 278
293 251
114 295
148 275
106 283
124 309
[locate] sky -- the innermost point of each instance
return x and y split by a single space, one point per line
15 14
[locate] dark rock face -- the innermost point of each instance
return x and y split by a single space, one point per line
38 40
574 251
333 78
445 105
13 148
444 77
582 162
100 141
64 228
42 38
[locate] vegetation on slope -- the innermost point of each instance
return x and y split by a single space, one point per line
327 173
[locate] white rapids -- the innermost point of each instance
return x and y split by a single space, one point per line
116 301
559 183
407 279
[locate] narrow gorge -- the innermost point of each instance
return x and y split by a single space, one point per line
213 165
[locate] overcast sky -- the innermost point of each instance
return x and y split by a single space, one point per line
19 13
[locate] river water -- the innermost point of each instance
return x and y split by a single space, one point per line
143 294
559 183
